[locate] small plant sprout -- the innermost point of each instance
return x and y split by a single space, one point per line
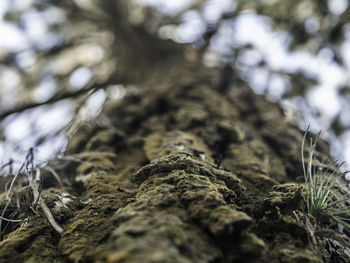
324 196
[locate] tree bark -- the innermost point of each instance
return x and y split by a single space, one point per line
180 172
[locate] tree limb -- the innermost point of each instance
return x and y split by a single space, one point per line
57 97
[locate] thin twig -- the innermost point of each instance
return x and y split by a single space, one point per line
12 182
35 186
49 216
2 217
53 172
11 220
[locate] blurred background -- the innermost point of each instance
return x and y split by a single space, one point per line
297 53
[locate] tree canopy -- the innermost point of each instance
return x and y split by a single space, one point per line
62 58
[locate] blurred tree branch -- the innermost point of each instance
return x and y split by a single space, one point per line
57 97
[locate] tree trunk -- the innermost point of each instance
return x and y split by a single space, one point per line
176 172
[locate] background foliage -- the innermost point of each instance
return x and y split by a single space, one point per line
59 60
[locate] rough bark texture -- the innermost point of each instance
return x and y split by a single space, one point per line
178 173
